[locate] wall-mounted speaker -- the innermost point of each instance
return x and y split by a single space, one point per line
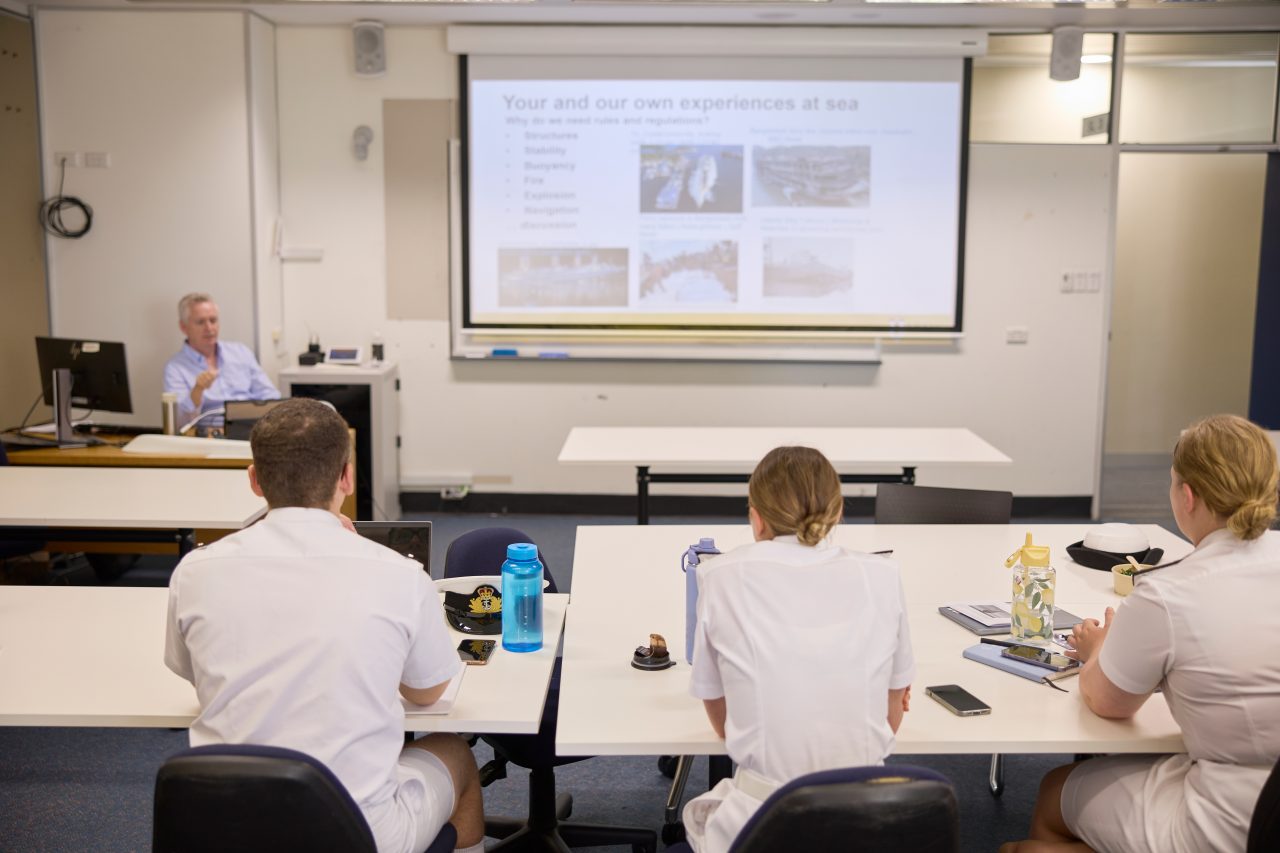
371 48
1064 61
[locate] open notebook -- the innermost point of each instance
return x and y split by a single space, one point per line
443 705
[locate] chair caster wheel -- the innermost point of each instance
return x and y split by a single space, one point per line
672 833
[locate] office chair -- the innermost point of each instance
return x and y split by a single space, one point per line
1264 828
482 552
259 799
855 810
899 504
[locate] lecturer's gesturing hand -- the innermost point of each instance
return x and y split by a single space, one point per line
1088 636
204 380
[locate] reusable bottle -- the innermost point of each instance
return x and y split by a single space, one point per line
1031 608
169 412
704 548
522 598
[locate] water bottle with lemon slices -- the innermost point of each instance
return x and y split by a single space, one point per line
1033 588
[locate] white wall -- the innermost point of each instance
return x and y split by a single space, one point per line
1034 212
189 198
164 94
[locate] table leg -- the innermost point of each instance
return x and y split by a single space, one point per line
995 779
186 541
642 494
718 767
908 475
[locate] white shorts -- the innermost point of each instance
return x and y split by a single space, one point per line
1161 803
423 802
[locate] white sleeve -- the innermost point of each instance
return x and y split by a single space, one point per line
904 661
1138 651
176 655
431 659
705 683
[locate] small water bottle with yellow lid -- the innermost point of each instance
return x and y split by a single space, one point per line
1034 579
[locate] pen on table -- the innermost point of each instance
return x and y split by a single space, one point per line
882 553
1011 644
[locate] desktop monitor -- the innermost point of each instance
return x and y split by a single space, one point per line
94 374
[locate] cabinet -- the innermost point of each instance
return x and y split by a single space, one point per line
368 398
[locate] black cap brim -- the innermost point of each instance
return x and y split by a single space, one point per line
1092 558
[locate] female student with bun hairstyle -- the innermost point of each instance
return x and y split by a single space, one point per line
1207 630
802 654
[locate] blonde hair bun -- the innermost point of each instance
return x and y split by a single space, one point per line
796 491
1252 519
1230 465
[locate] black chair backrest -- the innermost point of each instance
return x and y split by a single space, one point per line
252 798
900 504
869 809
483 551
1264 829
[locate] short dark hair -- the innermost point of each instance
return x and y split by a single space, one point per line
299 450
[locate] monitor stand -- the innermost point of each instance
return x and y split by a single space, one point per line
62 410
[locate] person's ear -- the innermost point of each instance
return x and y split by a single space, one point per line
1188 497
347 482
759 528
253 482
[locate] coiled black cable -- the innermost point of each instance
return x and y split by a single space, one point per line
51 211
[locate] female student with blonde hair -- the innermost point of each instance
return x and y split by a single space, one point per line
1205 629
802 654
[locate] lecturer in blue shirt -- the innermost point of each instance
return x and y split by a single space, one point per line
207 372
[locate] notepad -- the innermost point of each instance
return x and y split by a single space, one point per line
992 656
1062 621
443 705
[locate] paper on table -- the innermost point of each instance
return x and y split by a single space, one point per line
443 705
992 614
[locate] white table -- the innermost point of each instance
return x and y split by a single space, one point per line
712 450
94 656
152 504
627 584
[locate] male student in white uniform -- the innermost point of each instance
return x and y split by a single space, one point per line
297 632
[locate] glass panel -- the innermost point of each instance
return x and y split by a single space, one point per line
1013 99
1204 88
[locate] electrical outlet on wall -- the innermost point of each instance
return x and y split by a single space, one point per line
1016 334
97 160
71 158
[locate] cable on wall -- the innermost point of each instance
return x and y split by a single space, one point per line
51 211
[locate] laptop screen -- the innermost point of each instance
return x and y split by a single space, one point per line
411 539
241 415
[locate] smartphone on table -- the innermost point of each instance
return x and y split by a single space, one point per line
476 651
957 700
1039 657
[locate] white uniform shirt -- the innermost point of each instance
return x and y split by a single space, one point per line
297 633
804 643
1208 631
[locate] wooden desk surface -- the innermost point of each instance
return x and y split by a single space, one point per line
106 456
113 456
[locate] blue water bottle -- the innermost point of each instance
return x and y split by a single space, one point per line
522 598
